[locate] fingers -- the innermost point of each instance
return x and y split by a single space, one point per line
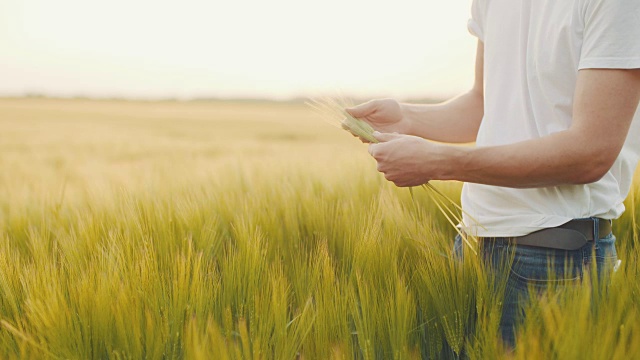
375 149
378 153
385 137
395 155
363 110
372 150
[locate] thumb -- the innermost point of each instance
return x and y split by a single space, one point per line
385 137
362 110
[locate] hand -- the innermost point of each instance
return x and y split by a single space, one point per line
383 115
407 160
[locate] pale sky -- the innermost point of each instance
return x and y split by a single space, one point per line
236 48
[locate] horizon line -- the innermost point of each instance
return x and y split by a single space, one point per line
292 99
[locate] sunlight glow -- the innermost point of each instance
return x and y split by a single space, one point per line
246 48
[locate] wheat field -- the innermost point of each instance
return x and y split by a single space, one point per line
252 230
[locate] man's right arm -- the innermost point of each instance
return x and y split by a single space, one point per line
454 121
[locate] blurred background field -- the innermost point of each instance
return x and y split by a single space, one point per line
84 145
249 229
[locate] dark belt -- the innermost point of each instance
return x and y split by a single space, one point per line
570 236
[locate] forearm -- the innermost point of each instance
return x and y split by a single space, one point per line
564 158
455 121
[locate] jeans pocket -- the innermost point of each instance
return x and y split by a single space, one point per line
544 265
606 255
606 248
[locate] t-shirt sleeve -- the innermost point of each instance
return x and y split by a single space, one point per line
475 25
611 35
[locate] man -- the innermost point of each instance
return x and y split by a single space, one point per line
554 114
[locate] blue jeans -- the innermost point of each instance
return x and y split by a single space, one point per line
538 268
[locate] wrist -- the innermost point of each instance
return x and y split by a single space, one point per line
451 160
409 113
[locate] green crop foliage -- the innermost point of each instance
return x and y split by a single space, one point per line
222 230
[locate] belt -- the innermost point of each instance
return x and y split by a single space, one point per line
570 236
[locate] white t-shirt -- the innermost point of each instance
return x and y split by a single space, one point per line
533 52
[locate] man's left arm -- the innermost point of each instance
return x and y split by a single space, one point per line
605 102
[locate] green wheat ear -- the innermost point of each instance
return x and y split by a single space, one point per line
359 128
332 110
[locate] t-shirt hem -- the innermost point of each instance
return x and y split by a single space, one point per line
513 231
518 230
